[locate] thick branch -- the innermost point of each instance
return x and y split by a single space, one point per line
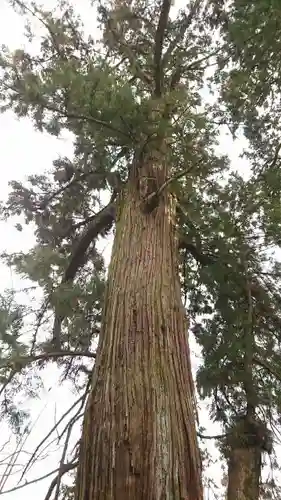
201 258
103 220
159 39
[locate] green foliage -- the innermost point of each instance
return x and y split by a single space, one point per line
248 71
107 94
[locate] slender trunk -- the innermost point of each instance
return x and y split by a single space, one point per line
139 438
244 469
245 443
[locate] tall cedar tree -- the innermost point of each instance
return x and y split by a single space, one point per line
131 99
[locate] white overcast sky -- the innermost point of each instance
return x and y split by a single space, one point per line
22 152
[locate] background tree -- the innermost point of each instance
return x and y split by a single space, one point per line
246 83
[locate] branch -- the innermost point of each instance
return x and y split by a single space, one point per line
67 468
63 470
203 259
69 115
57 480
267 367
202 59
65 414
271 164
181 70
112 178
248 382
74 116
159 39
151 201
219 436
257 291
103 220
180 34
13 458
24 360
39 319
65 186
8 381
127 51
44 23
61 466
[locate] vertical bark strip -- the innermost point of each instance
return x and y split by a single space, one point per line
244 469
139 438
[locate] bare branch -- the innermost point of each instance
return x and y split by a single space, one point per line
77 415
61 467
159 39
18 451
35 452
11 462
66 468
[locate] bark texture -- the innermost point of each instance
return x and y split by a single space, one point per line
139 437
244 469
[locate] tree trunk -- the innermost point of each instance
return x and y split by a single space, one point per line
244 469
139 437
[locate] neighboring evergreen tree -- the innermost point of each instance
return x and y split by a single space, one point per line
143 134
247 81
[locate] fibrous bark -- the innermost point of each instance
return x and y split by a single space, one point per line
244 469
139 438
248 438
